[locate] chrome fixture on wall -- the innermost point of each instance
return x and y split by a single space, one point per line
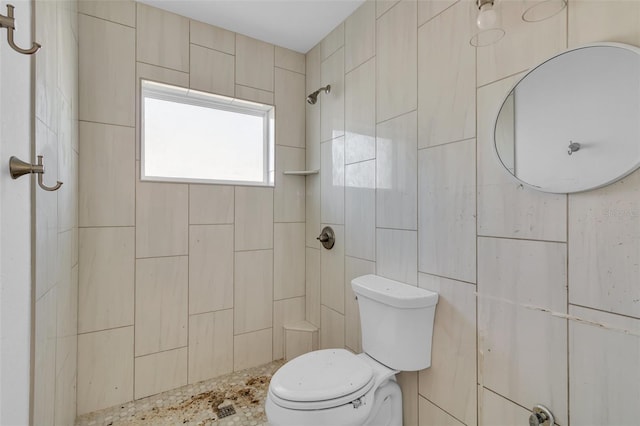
541 416
19 168
313 98
9 23
327 237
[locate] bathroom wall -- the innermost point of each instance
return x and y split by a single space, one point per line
539 301
179 283
55 213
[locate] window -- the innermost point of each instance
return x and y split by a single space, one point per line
191 136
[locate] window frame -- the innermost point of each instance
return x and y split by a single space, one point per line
172 93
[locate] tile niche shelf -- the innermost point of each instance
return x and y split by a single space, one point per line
300 172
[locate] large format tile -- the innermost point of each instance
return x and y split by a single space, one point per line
106 173
290 108
428 9
66 380
360 113
119 11
312 210
254 63
253 218
254 95
601 20
397 255
498 411
285 312
447 210
210 268
289 192
106 278
524 45
450 382
44 367
396 61
332 104
332 182
210 345
212 71
360 35
604 386
162 219
312 286
162 38
160 372
408 381
505 207
604 231
216 38
397 173
211 204
252 349
161 304
312 120
289 60
432 415
253 292
360 210
105 369
106 62
332 329
446 98
332 42
354 268
332 272
289 261
522 335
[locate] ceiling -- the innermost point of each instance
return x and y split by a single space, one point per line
295 24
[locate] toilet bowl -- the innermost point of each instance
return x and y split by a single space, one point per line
336 387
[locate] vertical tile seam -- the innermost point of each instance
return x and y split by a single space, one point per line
138 141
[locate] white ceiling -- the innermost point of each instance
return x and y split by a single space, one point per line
295 24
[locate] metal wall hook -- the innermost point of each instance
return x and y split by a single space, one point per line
9 23
573 147
19 168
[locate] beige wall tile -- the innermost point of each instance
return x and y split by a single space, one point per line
289 60
212 71
360 113
360 35
396 173
290 111
105 369
427 9
289 262
285 312
332 182
119 11
252 349
601 20
604 386
210 268
106 59
253 292
212 37
382 6
312 210
162 38
66 375
45 358
312 287
210 345
331 329
360 210
253 218
254 63
397 255
408 381
354 268
446 99
312 121
332 42
161 304
162 219
522 346
450 382
160 372
432 415
255 95
447 210
106 173
396 61
67 305
299 342
331 104
332 272
289 192
211 204
106 278
496 407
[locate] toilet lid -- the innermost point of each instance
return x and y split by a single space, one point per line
321 375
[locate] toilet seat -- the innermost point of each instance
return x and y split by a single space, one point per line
321 379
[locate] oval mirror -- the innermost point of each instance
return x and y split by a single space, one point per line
573 123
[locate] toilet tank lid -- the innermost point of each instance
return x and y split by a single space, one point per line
393 293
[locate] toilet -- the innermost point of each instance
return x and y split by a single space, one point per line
336 387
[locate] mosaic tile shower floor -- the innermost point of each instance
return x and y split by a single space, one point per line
196 404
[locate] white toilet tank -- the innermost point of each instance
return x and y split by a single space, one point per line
396 322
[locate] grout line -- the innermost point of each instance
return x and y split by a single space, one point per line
438 14
506 77
440 408
603 311
160 66
160 352
386 120
521 239
106 124
108 20
445 144
82 333
204 47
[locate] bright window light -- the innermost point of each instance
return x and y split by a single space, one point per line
191 136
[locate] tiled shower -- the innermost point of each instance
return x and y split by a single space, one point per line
176 283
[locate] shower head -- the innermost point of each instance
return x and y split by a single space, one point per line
313 98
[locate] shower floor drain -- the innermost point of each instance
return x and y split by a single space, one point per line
226 411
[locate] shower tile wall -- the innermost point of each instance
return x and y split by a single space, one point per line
180 283
532 285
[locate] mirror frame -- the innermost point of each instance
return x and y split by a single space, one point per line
632 48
